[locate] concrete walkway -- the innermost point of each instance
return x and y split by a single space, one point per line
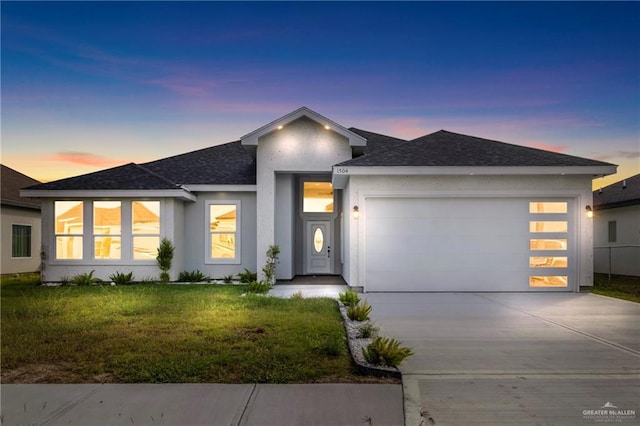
515 358
202 404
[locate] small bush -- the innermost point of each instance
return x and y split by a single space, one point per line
227 279
349 298
367 330
121 278
164 258
359 312
85 279
260 287
297 295
385 351
247 276
65 280
192 277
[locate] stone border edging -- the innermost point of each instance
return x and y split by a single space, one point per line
355 348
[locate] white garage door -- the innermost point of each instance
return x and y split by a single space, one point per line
468 244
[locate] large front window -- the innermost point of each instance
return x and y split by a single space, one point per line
69 227
107 229
145 227
117 230
223 224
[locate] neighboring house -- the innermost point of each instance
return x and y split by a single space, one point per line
444 212
20 219
616 228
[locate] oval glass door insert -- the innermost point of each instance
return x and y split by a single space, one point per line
318 240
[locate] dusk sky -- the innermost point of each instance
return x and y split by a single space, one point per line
87 85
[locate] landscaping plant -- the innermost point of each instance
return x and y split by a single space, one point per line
269 268
247 276
121 278
165 258
367 330
385 351
85 279
349 298
260 287
192 277
359 312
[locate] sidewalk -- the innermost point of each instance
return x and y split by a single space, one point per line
202 404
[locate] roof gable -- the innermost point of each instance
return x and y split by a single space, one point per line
620 194
251 139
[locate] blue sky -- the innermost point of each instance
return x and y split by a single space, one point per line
89 85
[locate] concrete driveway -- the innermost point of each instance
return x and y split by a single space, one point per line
515 358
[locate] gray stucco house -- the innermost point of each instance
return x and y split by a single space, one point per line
616 227
443 212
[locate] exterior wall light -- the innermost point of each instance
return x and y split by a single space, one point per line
326 127
279 127
589 212
356 212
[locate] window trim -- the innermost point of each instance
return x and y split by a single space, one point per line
208 260
85 205
30 251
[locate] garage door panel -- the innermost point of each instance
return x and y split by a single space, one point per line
447 244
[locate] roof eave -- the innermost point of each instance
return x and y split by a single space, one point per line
341 173
181 194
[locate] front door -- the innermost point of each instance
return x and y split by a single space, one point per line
318 247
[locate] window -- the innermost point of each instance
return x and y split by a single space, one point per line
317 197
548 255
145 227
613 231
107 229
223 222
20 240
69 228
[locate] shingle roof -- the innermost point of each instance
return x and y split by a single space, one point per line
128 176
12 182
376 141
448 149
619 194
227 164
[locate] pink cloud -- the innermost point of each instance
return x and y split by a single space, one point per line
546 147
83 158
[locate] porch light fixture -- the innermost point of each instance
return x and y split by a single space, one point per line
279 127
326 127
589 212
356 212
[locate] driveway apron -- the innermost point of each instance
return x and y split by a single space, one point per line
515 358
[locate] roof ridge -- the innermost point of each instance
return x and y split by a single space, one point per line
152 173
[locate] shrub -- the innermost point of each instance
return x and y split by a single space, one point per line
269 268
385 351
121 279
367 330
247 276
192 277
227 279
297 295
359 312
65 280
85 279
258 287
349 298
165 258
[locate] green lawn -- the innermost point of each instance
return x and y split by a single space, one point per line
621 286
154 333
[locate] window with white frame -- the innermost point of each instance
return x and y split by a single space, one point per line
69 225
20 241
110 236
223 239
145 229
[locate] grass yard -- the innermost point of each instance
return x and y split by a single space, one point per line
621 286
156 333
